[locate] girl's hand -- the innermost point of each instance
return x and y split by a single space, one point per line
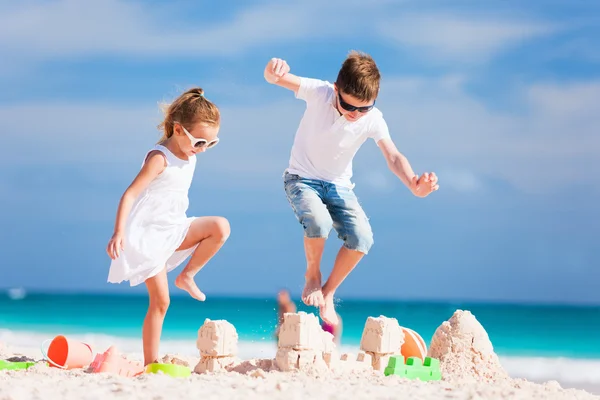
115 245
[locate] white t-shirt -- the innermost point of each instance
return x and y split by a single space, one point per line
325 141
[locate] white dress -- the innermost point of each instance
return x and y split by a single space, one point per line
157 224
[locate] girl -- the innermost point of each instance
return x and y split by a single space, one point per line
152 233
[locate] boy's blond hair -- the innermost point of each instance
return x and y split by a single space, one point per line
359 76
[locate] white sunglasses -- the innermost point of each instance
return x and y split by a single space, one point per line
199 143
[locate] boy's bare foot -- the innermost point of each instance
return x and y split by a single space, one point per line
312 294
327 311
187 283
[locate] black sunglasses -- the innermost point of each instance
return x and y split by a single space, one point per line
350 107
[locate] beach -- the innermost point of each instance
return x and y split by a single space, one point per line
470 368
247 382
540 359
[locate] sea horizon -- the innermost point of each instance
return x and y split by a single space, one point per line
515 328
296 296
536 342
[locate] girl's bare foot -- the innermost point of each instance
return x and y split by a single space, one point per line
185 282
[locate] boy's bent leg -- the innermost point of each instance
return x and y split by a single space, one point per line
353 227
305 199
313 250
345 262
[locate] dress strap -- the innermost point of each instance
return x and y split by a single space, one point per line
160 148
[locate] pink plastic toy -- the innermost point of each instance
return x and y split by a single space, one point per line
112 361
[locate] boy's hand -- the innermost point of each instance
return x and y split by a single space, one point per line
276 68
425 185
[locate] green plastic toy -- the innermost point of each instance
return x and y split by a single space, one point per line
177 371
429 370
10 365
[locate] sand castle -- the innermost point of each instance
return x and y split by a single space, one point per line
217 343
465 351
382 338
351 362
365 358
461 344
330 354
303 345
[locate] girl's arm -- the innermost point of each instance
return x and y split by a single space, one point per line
155 164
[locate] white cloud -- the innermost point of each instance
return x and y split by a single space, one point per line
541 145
578 100
460 180
581 42
119 134
68 28
378 180
76 132
436 122
468 38
38 30
545 144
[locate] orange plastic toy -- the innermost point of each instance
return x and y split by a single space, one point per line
67 354
414 345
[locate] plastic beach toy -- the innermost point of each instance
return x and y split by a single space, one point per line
67 354
10 365
176 371
415 368
112 361
414 345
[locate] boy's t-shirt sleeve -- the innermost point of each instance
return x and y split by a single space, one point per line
311 89
379 129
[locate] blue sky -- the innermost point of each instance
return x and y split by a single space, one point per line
501 99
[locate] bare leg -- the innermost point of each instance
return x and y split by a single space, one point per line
345 262
313 248
210 233
158 291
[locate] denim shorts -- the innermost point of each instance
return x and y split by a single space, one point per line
321 205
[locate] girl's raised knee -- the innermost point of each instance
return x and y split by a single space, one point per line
221 229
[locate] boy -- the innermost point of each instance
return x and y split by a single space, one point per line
338 119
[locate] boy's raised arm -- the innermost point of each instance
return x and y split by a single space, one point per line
399 165
277 72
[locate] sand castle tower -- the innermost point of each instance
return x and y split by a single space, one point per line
217 342
382 338
303 345
465 351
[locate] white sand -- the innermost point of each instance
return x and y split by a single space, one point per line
246 382
470 370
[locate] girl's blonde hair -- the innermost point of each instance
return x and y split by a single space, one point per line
189 109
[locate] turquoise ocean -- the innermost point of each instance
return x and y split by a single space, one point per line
539 342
